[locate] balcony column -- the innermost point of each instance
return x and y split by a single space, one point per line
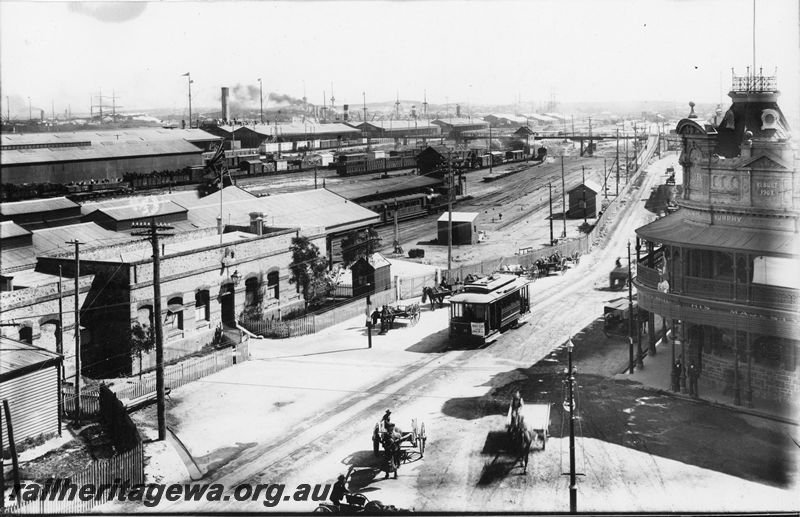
682 334
737 398
749 391
735 276
638 249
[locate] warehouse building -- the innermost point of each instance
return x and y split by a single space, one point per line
452 128
41 213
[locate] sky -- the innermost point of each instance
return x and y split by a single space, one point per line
473 52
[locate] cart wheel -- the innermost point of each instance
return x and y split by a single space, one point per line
421 440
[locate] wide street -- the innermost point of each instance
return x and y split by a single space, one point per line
302 411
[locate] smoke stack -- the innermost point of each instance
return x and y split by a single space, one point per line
458 110
42 114
226 108
346 109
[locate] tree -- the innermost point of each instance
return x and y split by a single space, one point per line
142 340
309 270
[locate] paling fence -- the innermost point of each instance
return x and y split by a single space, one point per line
313 323
125 466
411 286
132 389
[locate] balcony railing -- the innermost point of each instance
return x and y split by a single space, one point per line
723 290
754 83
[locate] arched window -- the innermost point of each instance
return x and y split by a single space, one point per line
273 285
202 308
251 286
145 316
174 319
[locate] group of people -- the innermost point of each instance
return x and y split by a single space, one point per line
692 372
384 315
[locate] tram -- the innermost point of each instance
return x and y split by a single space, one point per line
488 306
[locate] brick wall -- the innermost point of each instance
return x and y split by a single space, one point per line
767 383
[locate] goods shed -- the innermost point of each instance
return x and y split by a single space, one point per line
371 274
40 213
29 382
583 200
465 231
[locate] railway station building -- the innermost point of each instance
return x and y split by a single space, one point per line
723 267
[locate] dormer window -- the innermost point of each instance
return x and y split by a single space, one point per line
769 119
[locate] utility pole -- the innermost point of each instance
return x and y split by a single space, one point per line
449 217
188 74
60 347
550 196
158 320
617 194
583 192
77 333
639 358
630 312
627 164
573 485
491 158
261 98
605 180
563 203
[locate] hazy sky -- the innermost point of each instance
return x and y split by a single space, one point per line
476 51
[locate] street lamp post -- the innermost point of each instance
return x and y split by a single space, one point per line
369 319
563 203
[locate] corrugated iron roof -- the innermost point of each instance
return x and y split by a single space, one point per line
99 150
33 206
676 229
459 122
386 187
591 185
49 240
308 129
141 210
9 229
148 134
16 355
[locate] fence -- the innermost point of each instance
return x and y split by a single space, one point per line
313 323
125 467
90 400
135 389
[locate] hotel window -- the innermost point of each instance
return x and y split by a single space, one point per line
273 285
251 286
174 318
202 308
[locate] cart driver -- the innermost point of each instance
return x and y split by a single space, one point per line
618 263
516 405
339 490
396 434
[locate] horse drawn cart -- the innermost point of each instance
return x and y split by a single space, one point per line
409 312
618 278
528 428
399 447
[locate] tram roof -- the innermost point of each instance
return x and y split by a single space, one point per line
499 287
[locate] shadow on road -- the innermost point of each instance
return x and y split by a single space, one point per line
430 344
625 413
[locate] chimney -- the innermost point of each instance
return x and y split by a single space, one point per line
219 225
346 109
226 109
458 110
257 223
42 115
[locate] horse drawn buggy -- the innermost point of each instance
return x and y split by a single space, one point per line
618 278
399 447
526 427
555 263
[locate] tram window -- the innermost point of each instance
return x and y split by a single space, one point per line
457 309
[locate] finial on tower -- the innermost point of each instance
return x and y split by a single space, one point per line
692 114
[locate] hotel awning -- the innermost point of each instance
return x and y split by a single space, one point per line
676 230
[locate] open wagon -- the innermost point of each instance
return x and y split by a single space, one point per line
529 429
408 312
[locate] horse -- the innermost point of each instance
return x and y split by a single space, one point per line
393 454
520 440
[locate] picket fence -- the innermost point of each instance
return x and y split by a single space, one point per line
133 389
313 323
125 466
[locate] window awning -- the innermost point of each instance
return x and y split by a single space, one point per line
174 308
677 230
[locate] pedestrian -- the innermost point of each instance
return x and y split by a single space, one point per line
375 315
676 375
339 490
694 373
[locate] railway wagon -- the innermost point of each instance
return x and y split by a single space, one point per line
367 166
486 307
406 207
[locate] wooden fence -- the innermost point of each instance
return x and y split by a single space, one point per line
313 323
90 400
133 389
126 466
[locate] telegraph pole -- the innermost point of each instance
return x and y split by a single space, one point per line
60 347
563 203
449 216
158 321
583 189
605 180
617 194
573 486
77 333
188 74
550 196
630 312
261 97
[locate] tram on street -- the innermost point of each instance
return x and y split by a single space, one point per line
488 306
